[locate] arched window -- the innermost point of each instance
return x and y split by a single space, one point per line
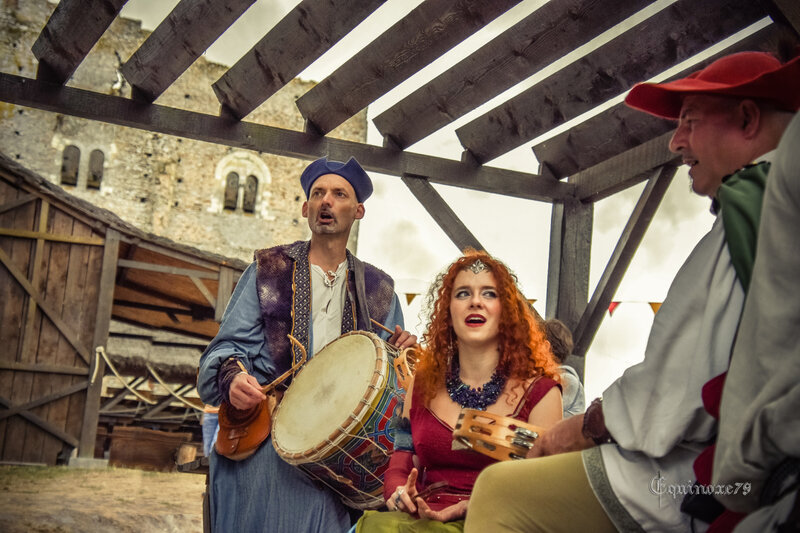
96 160
231 190
250 191
69 165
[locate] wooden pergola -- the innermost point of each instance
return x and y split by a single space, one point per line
591 160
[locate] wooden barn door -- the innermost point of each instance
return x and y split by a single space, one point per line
52 263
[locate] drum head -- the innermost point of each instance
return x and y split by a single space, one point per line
325 393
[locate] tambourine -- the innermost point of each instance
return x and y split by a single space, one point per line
499 437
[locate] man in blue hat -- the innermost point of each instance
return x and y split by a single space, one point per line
315 291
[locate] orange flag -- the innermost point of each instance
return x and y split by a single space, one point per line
655 306
611 307
410 297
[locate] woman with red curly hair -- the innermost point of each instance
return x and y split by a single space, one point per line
483 349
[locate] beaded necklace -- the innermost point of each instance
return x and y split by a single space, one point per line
466 396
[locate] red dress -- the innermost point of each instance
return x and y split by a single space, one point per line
437 462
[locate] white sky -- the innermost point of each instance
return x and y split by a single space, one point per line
399 236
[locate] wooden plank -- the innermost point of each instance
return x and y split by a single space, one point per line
48 369
224 291
22 200
134 383
18 409
278 141
554 259
182 37
126 263
788 11
441 213
624 170
576 246
104 304
73 29
296 41
44 424
44 306
621 128
626 247
422 36
40 335
22 234
528 46
12 329
204 290
668 37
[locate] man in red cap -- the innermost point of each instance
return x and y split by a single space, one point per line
315 291
638 459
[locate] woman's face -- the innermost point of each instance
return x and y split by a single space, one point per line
475 309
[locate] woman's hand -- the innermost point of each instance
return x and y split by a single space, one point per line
245 392
402 499
454 512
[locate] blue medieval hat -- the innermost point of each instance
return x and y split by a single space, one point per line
351 171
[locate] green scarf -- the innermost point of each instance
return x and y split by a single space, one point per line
740 197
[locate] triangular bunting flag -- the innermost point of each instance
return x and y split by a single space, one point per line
655 306
410 297
611 307
533 301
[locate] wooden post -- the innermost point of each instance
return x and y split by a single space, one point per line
105 301
224 291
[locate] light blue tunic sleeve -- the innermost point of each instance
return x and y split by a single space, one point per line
241 334
393 317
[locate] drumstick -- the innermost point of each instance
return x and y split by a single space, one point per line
238 362
384 328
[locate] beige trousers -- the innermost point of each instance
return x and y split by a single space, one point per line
545 494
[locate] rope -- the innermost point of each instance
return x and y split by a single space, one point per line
169 389
101 351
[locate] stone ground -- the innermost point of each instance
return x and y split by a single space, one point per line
66 500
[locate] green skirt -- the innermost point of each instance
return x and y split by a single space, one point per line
399 522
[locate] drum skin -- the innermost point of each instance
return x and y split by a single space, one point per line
333 421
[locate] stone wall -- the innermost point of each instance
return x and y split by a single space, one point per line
163 184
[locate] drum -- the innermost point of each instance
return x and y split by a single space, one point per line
333 421
499 437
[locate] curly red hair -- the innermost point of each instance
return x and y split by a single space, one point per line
524 350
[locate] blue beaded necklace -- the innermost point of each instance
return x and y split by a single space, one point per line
466 396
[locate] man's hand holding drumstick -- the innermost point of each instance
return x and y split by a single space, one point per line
399 338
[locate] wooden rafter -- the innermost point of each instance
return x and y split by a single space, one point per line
629 240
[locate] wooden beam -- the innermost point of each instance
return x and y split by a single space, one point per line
426 33
19 409
674 34
204 291
441 213
789 13
13 204
624 170
572 290
135 382
139 265
68 333
224 291
44 424
528 46
296 41
182 37
621 128
42 368
621 258
105 299
44 236
554 259
73 29
250 136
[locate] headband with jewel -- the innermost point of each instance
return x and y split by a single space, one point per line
478 266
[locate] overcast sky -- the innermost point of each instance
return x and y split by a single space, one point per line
399 236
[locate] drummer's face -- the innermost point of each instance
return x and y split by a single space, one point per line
332 205
475 309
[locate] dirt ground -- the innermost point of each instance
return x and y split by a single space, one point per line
66 500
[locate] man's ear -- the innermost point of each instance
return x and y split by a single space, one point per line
750 118
304 210
360 210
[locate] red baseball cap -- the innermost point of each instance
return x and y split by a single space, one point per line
756 75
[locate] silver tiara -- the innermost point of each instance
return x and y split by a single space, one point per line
478 266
